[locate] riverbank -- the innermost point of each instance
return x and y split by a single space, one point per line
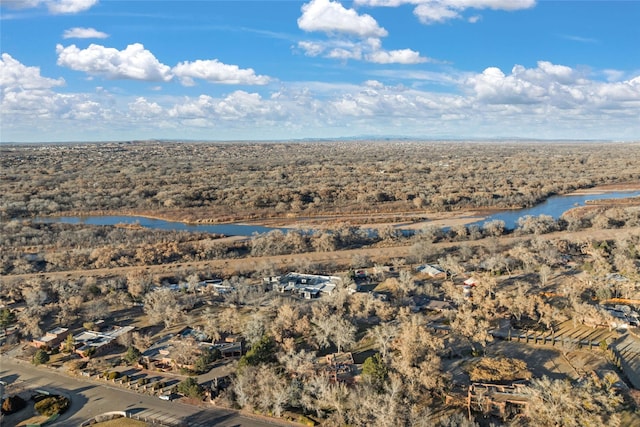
554 207
607 188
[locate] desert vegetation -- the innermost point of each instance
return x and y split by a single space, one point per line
391 344
224 182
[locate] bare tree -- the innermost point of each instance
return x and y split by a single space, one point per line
559 402
29 321
163 305
138 283
95 309
344 334
212 326
544 273
300 363
383 335
494 228
406 284
333 329
472 325
451 265
141 341
255 327
417 357
286 322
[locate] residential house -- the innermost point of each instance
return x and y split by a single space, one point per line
504 401
432 270
308 285
89 343
52 338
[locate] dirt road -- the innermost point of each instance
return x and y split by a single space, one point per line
228 267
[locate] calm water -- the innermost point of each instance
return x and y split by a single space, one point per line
554 207
159 224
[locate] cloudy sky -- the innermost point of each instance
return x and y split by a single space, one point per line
74 70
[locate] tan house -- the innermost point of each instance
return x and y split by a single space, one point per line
52 338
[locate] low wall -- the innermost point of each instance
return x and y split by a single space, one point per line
104 417
626 352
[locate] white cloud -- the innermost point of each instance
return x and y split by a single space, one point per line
20 4
312 48
84 33
332 17
345 54
338 22
143 108
433 13
56 7
215 71
613 75
16 77
369 50
334 48
137 63
84 110
437 11
552 85
70 6
494 87
28 96
579 38
134 62
192 108
402 56
241 104
546 100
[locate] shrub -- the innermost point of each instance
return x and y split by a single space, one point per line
132 355
90 326
12 404
143 381
113 375
262 352
207 357
76 365
190 388
52 405
187 371
499 369
375 371
40 357
304 420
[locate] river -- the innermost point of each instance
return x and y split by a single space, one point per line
554 206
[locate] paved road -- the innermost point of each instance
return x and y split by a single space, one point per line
90 398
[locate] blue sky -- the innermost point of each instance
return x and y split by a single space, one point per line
76 70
